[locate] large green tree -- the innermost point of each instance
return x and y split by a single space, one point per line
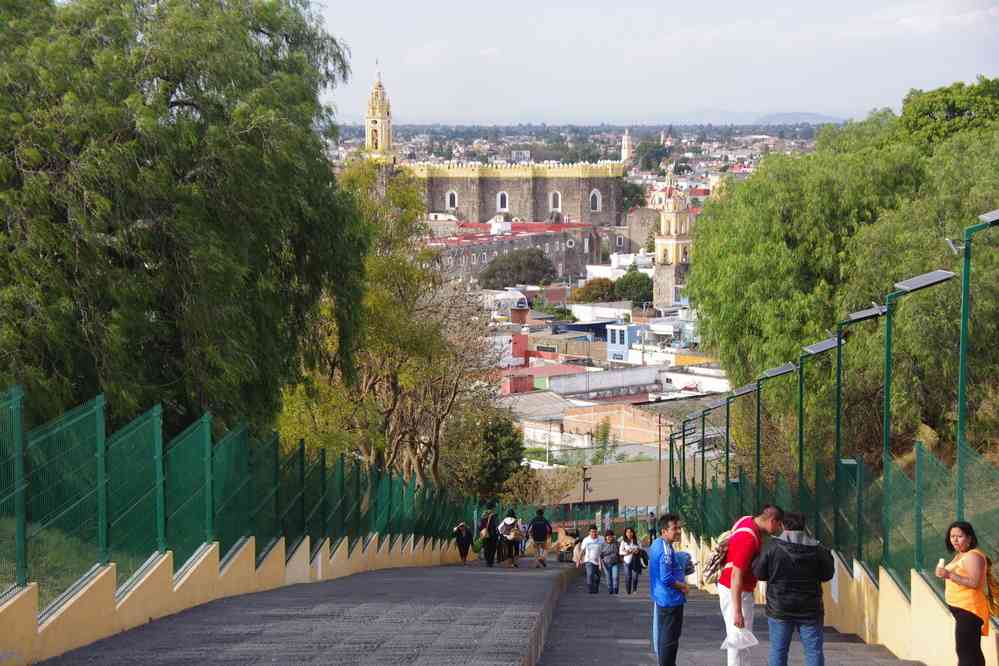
168 217
527 266
780 258
481 452
634 286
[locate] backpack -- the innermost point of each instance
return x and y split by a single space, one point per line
991 588
539 529
486 532
716 563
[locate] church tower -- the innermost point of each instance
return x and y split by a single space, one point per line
378 121
627 150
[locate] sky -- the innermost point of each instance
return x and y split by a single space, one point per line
511 62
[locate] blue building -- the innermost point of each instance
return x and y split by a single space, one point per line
619 340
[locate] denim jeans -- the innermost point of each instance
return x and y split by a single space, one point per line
631 576
613 578
592 577
781 632
667 623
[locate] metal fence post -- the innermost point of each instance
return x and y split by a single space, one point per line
860 509
759 446
920 471
324 482
301 480
816 502
161 542
104 553
20 490
206 445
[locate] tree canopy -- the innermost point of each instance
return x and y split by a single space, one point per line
634 286
780 258
526 266
632 195
597 290
168 218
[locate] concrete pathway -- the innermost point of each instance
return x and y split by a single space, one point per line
430 616
604 629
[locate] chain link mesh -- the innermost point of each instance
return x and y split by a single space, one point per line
232 489
10 407
186 504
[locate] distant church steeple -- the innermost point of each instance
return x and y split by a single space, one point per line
378 121
627 150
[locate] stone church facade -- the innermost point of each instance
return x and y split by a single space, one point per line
575 193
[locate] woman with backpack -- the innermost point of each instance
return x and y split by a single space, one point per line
630 552
488 532
966 585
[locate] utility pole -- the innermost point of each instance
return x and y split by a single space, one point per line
659 473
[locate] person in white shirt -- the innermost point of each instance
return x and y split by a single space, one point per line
630 553
591 559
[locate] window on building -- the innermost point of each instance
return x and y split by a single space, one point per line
556 201
452 200
484 259
569 243
502 202
596 201
548 248
619 241
450 260
475 258
586 244
560 269
684 257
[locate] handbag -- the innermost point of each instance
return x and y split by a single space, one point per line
484 532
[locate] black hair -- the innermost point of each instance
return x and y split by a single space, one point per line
965 527
511 514
593 527
668 518
491 506
609 533
634 535
541 512
794 521
772 510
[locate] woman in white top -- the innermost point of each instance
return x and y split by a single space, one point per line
631 553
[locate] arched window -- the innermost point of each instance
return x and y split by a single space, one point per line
596 201
556 202
374 139
502 202
685 257
452 200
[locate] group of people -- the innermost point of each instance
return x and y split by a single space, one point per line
606 557
794 566
504 540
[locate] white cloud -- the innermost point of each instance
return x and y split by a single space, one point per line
490 52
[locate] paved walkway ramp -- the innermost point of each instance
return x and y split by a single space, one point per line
427 616
604 629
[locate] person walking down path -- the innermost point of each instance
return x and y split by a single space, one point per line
509 539
966 578
650 523
463 539
610 561
590 558
794 565
489 533
736 583
668 589
540 531
631 557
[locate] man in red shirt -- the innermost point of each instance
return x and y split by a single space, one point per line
736 583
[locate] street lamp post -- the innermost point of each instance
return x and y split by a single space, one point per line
902 288
987 220
767 374
853 318
810 350
741 391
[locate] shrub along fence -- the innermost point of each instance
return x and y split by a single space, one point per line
73 499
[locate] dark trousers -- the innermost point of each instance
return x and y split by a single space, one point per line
592 577
967 637
669 625
489 551
632 574
463 550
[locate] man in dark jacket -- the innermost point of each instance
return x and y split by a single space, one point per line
794 565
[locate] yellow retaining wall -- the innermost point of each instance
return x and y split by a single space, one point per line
94 612
920 628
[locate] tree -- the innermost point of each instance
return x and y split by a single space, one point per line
527 266
425 354
836 229
604 443
648 155
597 290
929 118
633 286
539 488
168 218
481 452
632 195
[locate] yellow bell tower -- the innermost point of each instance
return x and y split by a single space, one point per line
378 122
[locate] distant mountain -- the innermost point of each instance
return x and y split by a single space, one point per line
796 119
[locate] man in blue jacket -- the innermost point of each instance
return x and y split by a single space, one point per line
667 588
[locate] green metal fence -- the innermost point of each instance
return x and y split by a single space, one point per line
72 499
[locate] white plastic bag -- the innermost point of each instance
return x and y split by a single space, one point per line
739 639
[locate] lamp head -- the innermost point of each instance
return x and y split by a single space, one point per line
991 218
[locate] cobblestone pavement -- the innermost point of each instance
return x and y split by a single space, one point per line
604 629
432 615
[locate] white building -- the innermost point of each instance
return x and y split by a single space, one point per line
619 265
